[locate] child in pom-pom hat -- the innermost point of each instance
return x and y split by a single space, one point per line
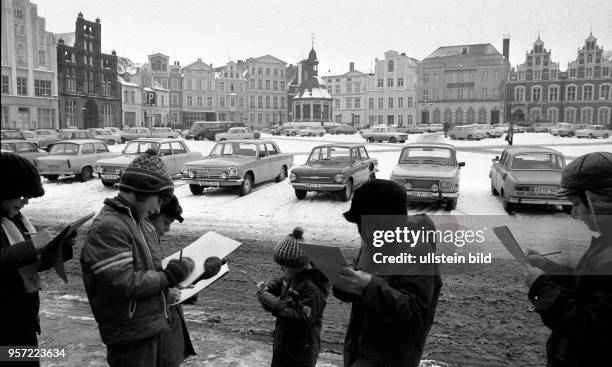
297 299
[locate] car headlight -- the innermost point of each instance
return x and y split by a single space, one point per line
447 185
192 174
408 186
292 177
223 176
118 171
99 169
185 171
339 177
434 187
232 171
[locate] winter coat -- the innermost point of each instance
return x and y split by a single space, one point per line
125 290
18 308
176 343
390 320
297 335
578 308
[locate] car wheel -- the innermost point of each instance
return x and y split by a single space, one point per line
392 140
470 137
347 193
86 174
508 206
222 139
567 209
300 194
590 136
52 177
370 140
196 189
605 136
453 137
489 135
247 185
402 141
493 190
321 134
451 204
108 183
110 142
122 141
293 134
281 175
199 137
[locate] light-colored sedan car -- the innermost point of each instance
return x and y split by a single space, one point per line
164 132
24 148
469 132
429 172
312 131
105 136
491 131
134 133
238 163
235 133
528 175
72 157
554 130
593 131
173 152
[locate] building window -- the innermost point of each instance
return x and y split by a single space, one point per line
553 74
259 102
337 89
267 84
604 91
46 118
336 103
275 84
587 115
200 102
400 102
189 101
535 114
519 94
400 82
260 84
472 76
389 82
572 73
18 13
425 95
5 84
603 115
380 103
380 83
537 74
126 95
482 115
348 103
70 109
570 115
357 102
252 101
22 86
436 116
348 88
587 92
108 115
536 94
133 97
267 102
409 102
447 115
174 100
470 115
449 77
259 71
553 115
570 93
174 84
209 102
553 93
221 101
275 101
390 66
426 78
241 102
605 71
589 72
371 103
459 116
390 102
496 74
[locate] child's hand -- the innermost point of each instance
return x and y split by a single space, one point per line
262 286
174 294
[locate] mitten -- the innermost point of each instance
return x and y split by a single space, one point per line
269 302
178 270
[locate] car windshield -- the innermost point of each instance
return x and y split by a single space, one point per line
138 147
330 155
9 147
65 135
234 148
44 132
12 134
428 155
64 148
29 134
538 161
98 132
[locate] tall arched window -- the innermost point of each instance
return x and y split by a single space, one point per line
587 92
519 94
603 117
604 92
536 113
536 94
586 115
553 93
570 115
553 115
436 116
459 116
570 93
470 115
447 115
482 115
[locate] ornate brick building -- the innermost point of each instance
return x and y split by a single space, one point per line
89 91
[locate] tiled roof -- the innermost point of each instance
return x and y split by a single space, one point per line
481 49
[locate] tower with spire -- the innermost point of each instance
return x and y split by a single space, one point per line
312 103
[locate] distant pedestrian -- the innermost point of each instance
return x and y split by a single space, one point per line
575 303
297 299
447 127
510 133
23 253
126 292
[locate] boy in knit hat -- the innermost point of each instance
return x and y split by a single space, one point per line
23 253
297 299
126 291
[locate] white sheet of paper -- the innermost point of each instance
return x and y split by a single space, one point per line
328 259
510 243
210 244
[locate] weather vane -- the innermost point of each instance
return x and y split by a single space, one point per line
312 40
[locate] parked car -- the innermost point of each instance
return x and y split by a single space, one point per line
334 167
469 132
293 130
491 131
201 130
66 134
312 131
593 131
163 132
173 152
105 136
279 130
72 157
235 133
433 128
24 148
542 127
555 129
238 163
528 175
114 130
21 135
429 172
134 133
570 131
344 129
383 133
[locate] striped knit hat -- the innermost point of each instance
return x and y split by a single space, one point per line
288 251
147 174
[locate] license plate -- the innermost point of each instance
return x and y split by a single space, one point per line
209 183
420 194
545 190
110 177
315 185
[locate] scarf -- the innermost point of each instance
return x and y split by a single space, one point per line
29 272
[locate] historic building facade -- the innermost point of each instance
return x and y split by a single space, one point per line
463 84
131 102
391 94
230 92
539 91
89 90
198 100
348 91
29 70
311 101
266 91
176 93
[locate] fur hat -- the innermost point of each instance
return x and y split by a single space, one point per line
377 197
592 172
172 209
147 174
23 178
288 251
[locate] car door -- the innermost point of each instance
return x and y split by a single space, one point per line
262 166
165 153
86 158
25 149
275 160
101 150
495 171
181 156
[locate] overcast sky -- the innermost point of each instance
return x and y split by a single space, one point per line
345 30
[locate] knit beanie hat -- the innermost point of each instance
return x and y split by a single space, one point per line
172 209
377 197
24 178
147 174
288 251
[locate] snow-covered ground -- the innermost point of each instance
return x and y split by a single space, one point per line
272 210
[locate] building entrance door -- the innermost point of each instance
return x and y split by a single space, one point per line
390 119
90 115
425 117
495 117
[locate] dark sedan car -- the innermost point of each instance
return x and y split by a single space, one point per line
67 134
334 167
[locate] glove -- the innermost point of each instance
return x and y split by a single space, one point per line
212 266
178 270
70 240
269 302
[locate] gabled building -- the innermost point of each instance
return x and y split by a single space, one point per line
29 70
311 101
89 90
266 91
198 93
230 92
176 93
349 95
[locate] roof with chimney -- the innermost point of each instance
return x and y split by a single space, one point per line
481 49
